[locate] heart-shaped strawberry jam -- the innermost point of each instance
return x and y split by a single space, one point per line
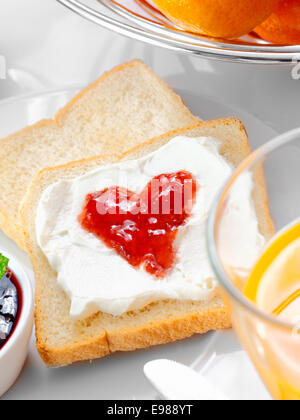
142 228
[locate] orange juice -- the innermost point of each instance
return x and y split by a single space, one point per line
274 286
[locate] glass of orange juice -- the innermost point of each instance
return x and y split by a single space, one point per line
263 292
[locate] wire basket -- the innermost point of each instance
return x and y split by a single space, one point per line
141 20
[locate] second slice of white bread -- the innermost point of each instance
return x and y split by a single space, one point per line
122 109
60 339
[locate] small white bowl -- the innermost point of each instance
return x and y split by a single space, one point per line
14 352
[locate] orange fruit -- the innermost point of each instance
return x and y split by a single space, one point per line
218 18
283 26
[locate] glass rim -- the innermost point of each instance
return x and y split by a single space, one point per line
215 261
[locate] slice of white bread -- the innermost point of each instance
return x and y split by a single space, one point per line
125 107
61 340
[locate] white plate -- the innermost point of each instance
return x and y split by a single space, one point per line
120 376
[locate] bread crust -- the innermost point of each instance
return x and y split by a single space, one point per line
154 324
162 331
67 355
216 316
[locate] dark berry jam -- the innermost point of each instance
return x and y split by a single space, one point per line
10 305
142 228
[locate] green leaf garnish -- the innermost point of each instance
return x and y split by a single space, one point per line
3 265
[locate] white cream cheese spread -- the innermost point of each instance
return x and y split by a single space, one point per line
96 278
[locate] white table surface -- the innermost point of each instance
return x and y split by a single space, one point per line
48 47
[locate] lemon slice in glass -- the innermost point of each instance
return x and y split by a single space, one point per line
274 284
